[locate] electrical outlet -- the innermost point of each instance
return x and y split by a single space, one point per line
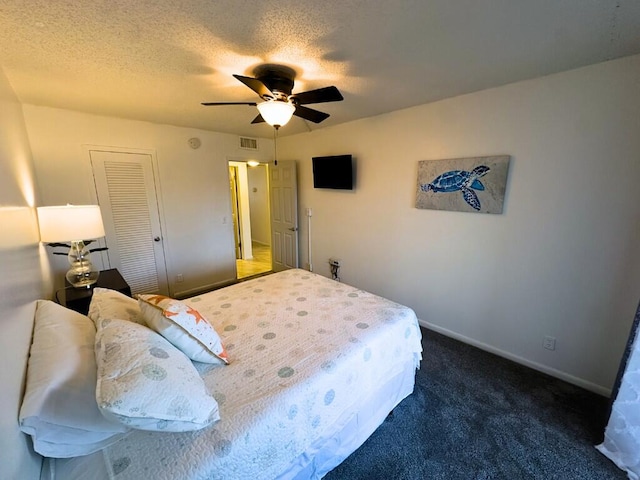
179 278
334 262
549 343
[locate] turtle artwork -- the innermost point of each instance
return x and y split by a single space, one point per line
460 180
469 184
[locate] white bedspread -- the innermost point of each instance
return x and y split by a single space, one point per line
306 353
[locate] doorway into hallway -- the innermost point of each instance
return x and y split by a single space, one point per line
249 189
260 263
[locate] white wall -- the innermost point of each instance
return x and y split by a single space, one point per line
562 260
21 281
259 203
193 184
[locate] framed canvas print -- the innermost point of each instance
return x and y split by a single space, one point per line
474 184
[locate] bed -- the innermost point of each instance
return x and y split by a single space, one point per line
315 366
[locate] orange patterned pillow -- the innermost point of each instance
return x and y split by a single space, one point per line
184 327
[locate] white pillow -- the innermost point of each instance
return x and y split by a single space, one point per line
146 383
59 407
184 327
106 303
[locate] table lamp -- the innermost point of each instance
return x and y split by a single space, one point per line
74 224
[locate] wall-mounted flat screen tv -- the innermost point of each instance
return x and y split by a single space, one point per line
335 171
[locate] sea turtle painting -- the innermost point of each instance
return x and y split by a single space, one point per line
462 180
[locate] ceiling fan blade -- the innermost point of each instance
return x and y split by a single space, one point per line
258 119
209 104
310 114
321 95
256 85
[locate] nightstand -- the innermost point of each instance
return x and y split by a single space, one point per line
78 299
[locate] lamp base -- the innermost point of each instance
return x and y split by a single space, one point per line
82 273
82 279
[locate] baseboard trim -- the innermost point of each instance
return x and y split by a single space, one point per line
262 244
592 387
203 289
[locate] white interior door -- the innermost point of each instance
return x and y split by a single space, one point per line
284 215
127 196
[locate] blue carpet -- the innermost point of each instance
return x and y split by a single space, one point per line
474 415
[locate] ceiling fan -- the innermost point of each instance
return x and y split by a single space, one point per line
274 84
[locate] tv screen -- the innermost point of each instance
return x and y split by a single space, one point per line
333 172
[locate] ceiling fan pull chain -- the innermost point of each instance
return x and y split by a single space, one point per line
275 145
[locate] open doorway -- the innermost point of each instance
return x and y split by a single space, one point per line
249 190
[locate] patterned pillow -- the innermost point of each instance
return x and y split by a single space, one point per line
146 383
184 327
106 303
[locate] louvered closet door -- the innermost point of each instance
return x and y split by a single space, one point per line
127 197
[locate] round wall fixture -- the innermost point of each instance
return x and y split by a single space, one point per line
194 142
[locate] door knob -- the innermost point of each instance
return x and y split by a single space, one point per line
293 229
156 239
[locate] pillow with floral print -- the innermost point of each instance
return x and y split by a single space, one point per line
107 303
184 327
146 383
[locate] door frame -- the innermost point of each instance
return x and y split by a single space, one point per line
236 210
86 149
244 218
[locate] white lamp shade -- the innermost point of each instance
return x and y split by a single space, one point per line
70 223
276 112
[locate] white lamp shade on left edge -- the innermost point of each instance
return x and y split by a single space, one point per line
70 222
74 224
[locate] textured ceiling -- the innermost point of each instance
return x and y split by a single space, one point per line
157 60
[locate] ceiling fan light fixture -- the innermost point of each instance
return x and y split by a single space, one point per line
276 112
